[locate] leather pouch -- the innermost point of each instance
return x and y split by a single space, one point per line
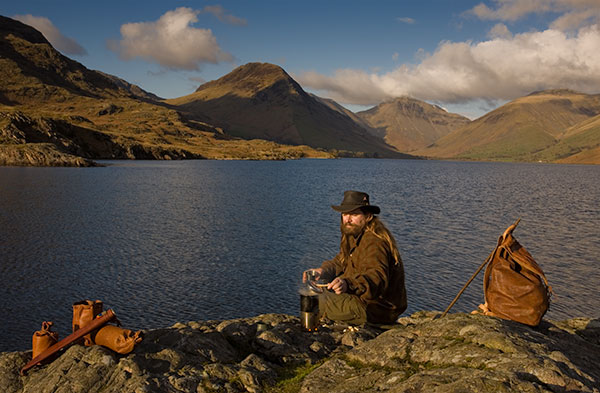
118 339
85 312
43 339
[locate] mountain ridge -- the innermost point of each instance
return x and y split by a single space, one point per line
260 100
39 84
409 124
258 111
520 129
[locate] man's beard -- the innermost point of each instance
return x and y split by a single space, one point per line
351 230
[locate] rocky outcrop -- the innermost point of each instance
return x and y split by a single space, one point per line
461 352
39 154
41 141
466 353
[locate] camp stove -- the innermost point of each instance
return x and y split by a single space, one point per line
309 303
309 311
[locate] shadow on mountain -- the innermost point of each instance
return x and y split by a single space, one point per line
289 121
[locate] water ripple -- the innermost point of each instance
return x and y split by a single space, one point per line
162 242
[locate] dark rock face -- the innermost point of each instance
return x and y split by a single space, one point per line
40 154
110 110
460 352
41 141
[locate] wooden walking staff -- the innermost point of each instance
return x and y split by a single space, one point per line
467 284
510 229
93 325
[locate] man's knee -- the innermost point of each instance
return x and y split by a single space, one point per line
342 308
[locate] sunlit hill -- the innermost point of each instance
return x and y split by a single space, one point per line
55 111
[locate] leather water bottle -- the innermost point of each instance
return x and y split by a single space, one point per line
43 339
85 312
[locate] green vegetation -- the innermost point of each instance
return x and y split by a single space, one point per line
517 145
290 378
573 144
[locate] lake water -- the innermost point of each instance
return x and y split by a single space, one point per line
162 242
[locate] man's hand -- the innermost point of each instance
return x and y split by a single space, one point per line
312 274
338 285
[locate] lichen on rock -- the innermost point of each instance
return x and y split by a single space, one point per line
271 353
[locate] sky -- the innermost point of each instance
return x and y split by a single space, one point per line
468 57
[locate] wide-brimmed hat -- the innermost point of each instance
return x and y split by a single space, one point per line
356 200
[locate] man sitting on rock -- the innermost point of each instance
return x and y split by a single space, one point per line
366 278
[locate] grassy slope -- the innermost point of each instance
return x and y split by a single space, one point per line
39 82
519 130
580 144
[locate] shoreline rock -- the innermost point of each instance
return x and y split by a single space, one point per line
271 352
40 154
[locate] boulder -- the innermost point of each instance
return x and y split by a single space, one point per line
468 353
271 352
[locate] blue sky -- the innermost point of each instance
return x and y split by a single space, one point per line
466 56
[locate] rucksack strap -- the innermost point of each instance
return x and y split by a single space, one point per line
523 261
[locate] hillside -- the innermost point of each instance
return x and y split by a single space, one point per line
47 98
355 118
409 124
580 144
260 100
258 112
520 129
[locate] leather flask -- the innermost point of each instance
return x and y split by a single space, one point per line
43 339
85 312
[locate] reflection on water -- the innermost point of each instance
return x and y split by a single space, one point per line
161 242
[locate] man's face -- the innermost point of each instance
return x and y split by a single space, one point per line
354 222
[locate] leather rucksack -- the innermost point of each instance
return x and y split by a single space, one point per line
514 285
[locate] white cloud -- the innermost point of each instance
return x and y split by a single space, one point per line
60 42
496 69
223 16
575 13
500 31
197 79
406 20
346 86
170 41
511 10
576 19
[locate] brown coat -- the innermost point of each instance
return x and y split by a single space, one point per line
373 276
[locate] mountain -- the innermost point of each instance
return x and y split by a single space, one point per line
355 118
135 90
580 144
52 106
260 100
409 124
521 129
32 70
